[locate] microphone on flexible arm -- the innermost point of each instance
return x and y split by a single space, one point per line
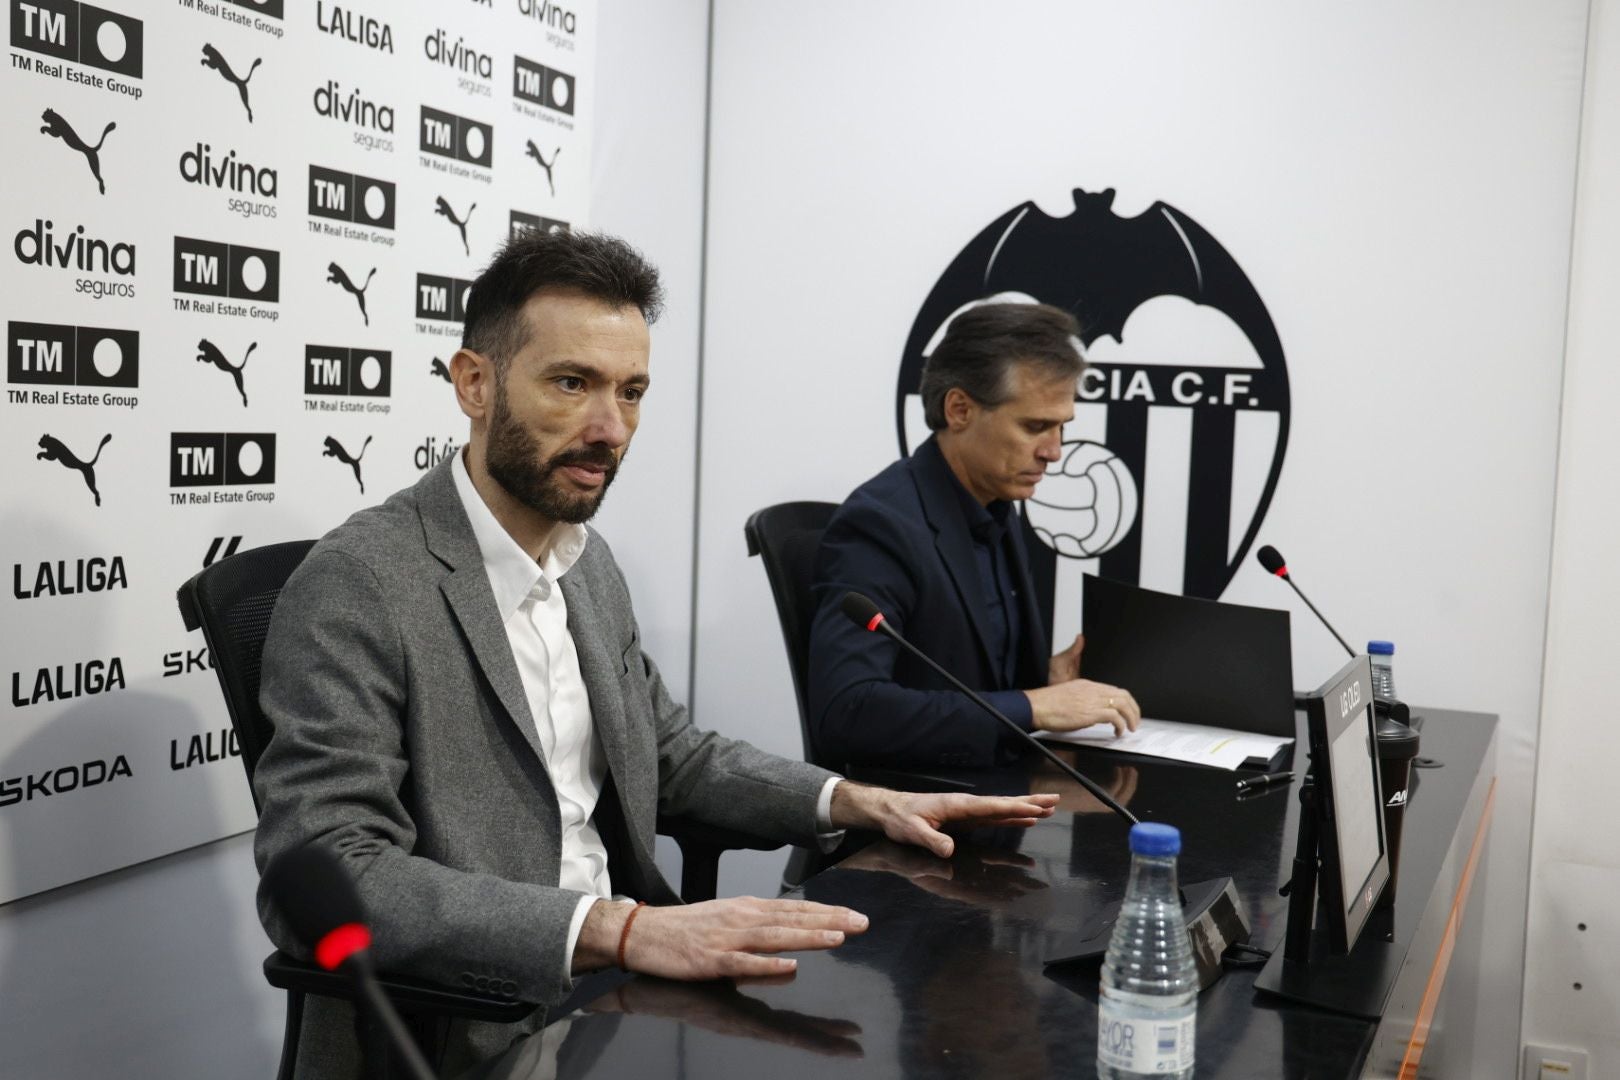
1272 560
864 613
320 902
1212 909
1384 708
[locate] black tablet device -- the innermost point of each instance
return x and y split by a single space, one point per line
1349 801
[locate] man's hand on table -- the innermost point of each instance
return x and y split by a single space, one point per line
917 817
1068 703
712 940
734 938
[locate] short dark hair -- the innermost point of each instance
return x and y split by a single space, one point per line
602 267
982 344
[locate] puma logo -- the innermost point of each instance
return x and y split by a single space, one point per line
534 152
335 275
212 59
443 210
52 449
208 352
439 369
58 128
335 449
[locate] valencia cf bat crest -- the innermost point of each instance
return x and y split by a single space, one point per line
1181 421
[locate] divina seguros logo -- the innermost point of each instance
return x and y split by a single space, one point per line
203 166
551 16
44 245
359 112
458 55
1181 417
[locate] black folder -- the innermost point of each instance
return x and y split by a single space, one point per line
1190 660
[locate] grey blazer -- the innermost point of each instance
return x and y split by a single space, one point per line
403 742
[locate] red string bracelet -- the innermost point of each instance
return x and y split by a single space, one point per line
624 935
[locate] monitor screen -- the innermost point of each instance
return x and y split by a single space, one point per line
1356 802
1349 805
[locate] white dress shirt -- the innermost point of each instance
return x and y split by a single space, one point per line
535 615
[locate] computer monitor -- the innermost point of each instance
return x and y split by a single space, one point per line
1348 804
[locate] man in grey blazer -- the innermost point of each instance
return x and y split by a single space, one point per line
464 715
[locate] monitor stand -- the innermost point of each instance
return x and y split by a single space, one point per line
1305 969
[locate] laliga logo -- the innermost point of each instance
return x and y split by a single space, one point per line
1181 417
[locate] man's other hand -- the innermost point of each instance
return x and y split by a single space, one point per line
1065 666
918 818
712 940
1081 703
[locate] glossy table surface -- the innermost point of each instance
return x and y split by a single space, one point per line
949 980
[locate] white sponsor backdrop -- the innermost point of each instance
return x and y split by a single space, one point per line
363 117
1395 180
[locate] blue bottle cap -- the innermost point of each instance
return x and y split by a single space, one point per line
1381 648
1152 838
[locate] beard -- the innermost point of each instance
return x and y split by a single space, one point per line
513 459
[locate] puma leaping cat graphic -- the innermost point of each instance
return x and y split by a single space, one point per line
534 152
335 449
336 276
212 59
52 449
208 352
58 128
443 210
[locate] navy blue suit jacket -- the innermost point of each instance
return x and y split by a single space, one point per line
902 539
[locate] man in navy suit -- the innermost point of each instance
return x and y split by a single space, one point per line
933 539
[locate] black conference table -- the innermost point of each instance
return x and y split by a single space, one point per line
949 980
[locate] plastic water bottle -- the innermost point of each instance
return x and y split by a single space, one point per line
1382 655
1148 1008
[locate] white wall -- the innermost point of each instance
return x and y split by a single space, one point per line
153 971
1575 861
1396 180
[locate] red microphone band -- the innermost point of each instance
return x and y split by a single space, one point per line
341 943
875 621
1281 571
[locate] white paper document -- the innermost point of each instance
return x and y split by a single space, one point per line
1223 748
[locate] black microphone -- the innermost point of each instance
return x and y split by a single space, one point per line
864 613
1272 560
320 902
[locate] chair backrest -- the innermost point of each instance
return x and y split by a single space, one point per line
786 537
231 602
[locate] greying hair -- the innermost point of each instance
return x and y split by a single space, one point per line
602 267
983 343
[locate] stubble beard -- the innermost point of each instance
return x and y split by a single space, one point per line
513 460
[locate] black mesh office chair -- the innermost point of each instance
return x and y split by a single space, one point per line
786 537
231 602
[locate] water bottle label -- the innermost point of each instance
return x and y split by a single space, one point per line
1143 1044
